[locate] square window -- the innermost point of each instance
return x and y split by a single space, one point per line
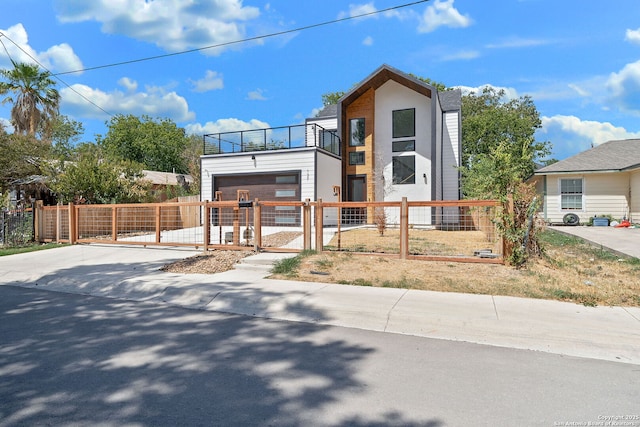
356 158
404 123
406 145
356 131
404 170
571 194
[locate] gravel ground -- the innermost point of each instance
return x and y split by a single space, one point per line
217 261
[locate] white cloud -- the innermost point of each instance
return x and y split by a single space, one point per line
6 124
173 25
633 36
225 125
463 55
624 87
509 92
570 132
154 102
579 90
368 41
59 57
127 83
211 81
442 13
256 95
517 42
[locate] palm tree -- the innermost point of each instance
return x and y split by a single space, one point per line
35 100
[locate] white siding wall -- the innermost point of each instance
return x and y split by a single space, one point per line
302 160
603 194
451 156
393 96
327 123
634 210
328 174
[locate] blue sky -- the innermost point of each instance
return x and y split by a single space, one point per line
578 60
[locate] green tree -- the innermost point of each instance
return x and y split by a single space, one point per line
95 177
331 98
156 144
65 133
499 152
33 95
191 156
22 156
499 149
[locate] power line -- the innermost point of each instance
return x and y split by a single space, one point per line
265 36
49 71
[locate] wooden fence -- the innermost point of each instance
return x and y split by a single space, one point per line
445 230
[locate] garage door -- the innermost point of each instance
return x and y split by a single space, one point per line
283 187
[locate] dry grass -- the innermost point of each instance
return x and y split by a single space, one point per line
421 241
570 270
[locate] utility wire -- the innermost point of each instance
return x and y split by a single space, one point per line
265 36
46 69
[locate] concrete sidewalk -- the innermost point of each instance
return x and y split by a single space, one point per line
132 273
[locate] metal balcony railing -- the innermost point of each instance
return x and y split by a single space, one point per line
277 138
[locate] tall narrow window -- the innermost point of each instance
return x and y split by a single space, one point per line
356 130
404 123
571 194
404 169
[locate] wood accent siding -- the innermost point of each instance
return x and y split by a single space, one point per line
362 107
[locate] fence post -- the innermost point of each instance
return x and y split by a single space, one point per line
73 230
114 222
158 223
206 226
508 211
37 221
306 211
257 225
319 226
58 221
404 229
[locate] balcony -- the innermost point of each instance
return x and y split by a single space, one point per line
269 139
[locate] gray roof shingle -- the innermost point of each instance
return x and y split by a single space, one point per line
609 156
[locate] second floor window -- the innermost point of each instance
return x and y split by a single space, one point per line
356 131
404 123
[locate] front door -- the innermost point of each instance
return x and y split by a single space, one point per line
356 192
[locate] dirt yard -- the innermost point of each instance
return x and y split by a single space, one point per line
570 270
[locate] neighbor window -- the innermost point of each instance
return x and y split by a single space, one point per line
571 194
356 129
356 158
404 170
404 145
404 123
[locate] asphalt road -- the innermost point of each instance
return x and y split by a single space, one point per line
69 359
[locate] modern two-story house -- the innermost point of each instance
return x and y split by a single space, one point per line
391 136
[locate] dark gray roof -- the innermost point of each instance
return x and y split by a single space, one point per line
328 111
610 156
450 100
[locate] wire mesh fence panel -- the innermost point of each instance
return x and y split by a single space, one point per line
180 224
230 225
53 223
367 227
282 226
94 222
16 227
453 232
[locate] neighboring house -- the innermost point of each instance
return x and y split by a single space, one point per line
164 184
604 180
391 136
